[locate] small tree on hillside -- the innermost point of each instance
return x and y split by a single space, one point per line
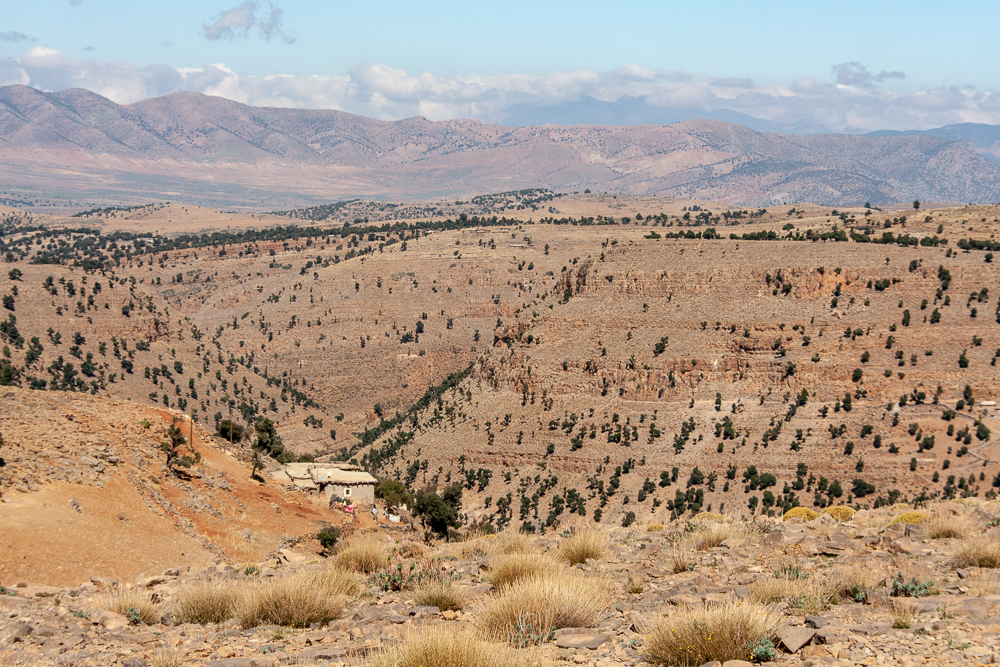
172 448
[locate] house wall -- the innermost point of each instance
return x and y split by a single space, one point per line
363 494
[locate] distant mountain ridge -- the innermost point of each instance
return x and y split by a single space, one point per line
984 138
217 152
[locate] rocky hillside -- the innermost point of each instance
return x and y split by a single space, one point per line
210 150
660 377
890 587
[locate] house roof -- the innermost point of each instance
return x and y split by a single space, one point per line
337 476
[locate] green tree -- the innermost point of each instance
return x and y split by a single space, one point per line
434 511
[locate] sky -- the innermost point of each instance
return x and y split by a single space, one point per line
847 66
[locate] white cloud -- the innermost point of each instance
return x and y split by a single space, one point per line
238 21
381 91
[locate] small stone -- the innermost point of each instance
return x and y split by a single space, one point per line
448 615
592 642
794 638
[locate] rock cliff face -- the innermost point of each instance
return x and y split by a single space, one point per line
814 362
210 150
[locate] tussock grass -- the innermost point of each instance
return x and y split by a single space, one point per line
857 579
166 659
978 552
808 595
583 545
133 604
903 614
511 543
692 636
944 524
208 602
509 569
680 561
444 649
529 609
298 600
635 584
982 585
714 534
363 555
440 593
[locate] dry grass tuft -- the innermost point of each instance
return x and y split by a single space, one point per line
858 579
364 556
904 614
166 659
635 584
443 649
530 609
655 527
440 593
840 512
910 518
803 513
982 585
511 543
585 544
134 604
714 534
298 600
943 525
978 552
507 570
691 636
208 602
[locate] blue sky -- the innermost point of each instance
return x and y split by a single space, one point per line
864 65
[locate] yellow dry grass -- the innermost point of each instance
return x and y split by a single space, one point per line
655 527
978 552
166 659
529 609
944 524
363 555
208 602
982 585
426 648
440 593
298 600
135 604
692 636
583 545
510 543
507 570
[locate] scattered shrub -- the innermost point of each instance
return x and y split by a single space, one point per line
840 512
910 518
655 527
803 513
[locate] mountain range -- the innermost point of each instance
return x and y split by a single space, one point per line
75 147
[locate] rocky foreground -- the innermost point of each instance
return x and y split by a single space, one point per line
894 586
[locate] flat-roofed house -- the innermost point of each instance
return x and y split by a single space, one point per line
335 481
